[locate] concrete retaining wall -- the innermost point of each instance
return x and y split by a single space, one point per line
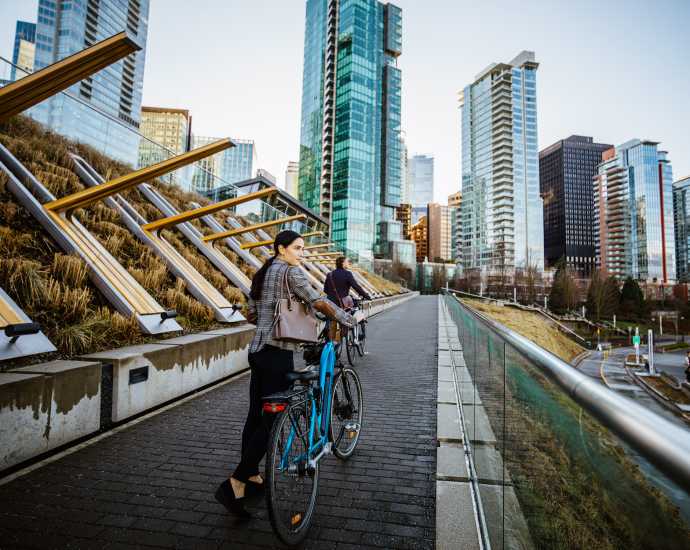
45 406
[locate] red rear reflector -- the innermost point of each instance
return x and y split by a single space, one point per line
274 407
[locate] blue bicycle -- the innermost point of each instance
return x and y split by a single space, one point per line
322 414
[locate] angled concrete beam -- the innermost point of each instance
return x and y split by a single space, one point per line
34 88
90 195
249 228
19 337
205 210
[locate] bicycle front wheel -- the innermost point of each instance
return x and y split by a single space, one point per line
362 339
347 413
291 484
350 341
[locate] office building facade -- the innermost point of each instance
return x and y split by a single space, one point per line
681 219
454 204
350 145
502 214
566 170
420 235
67 27
439 233
24 51
634 219
167 132
292 178
227 167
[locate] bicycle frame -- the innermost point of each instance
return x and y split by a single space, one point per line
319 415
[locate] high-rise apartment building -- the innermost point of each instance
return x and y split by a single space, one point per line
420 174
229 166
67 27
24 51
502 214
566 169
633 213
168 132
439 233
681 219
350 143
454 204
291 178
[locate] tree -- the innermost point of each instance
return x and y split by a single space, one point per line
603 296
632 303
563 295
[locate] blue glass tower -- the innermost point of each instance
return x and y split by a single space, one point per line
501 212
26 32
67 27
350 145
633 194
681 219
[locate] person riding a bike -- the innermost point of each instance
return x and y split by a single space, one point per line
270 360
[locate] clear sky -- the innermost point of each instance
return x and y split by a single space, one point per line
614 70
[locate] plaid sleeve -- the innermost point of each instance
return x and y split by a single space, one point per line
301 287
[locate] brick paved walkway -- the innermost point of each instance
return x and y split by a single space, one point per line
151 485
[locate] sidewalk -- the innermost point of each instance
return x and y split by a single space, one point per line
151 485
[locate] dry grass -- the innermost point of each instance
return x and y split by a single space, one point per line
53 288
533 326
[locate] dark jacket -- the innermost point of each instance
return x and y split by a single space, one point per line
343 280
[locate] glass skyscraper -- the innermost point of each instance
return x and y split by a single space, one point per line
501 212
420 175
66 27
634 220
681 218
350 144
24 51
229 166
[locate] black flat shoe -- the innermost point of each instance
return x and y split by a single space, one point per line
254 489
226 496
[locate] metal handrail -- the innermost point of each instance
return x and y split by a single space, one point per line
663 443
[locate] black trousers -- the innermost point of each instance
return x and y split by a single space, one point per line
268 369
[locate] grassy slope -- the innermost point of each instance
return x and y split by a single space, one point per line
532 326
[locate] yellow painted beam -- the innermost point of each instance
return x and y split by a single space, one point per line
36 87
311 247
8 316
319 254
248 228
206 210
90 195
247 246
312 234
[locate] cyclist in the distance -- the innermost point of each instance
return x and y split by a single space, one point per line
339 282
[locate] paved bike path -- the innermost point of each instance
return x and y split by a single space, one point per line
151 485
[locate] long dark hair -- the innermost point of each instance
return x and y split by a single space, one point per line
284 238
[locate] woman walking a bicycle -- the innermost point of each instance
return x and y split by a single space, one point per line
339 282
270 359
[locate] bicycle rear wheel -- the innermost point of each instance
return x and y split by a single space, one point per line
291 485
347 413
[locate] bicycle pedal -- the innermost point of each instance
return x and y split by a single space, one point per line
351 430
